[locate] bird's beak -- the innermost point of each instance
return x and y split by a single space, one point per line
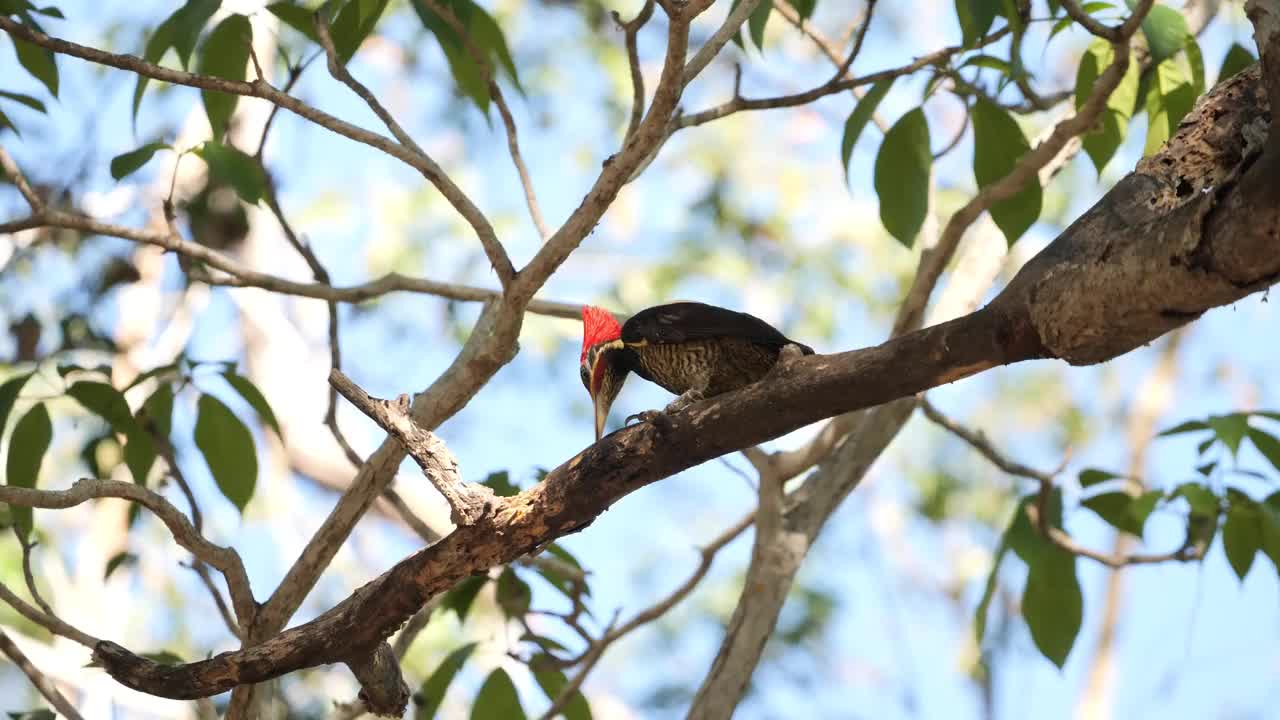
601 401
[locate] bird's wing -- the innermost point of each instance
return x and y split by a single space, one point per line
685 321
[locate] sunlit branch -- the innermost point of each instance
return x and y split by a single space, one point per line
225 560
52 623
630 32
260 88
39 680
836 84
934 260
508 121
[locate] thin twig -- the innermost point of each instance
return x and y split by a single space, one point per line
11 169
495 92
835 85
630 33
38 679
225 560
241 276
52 623
27 547
262 89
467 503
830 49
979 442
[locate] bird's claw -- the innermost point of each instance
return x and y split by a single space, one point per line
647 416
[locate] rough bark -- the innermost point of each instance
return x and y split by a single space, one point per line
1149 257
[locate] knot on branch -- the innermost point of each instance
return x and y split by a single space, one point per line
468 504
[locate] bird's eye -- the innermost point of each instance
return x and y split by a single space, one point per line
586 378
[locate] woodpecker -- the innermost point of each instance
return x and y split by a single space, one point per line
691 349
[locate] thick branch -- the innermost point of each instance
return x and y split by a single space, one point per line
1135 225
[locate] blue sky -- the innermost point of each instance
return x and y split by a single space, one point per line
1194 642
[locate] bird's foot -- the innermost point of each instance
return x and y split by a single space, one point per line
656 418
646 416
688 398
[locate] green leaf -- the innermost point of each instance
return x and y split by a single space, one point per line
1142 506
241 172
1170 95
179 31
805 8
119 560
39 62
254 397
1230 429
976 17
186 25
296 17
104 401
109 403
500 483
902 176
514 595
758 20
1027 541
155 416
1166 31
989 590
27 446
858 119
127 163
1101 144
1237 58
485 34
353 24
497 699
431 694
153 372
227 446
1092 476
461 596
1242 536
1116 508
225 54
9 395
1053 605
41 714
998 144
5 122
1186 427
552 681
27 100
1200 498
1269 527
1265 442
156 413
1195 61
989 62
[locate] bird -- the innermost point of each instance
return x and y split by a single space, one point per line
691 349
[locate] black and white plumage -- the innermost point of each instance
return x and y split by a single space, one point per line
691 349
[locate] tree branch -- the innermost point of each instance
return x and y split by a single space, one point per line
260 88
467 503
38 679
225 560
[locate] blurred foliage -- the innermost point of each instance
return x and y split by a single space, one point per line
739 220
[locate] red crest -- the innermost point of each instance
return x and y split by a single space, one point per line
598 325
